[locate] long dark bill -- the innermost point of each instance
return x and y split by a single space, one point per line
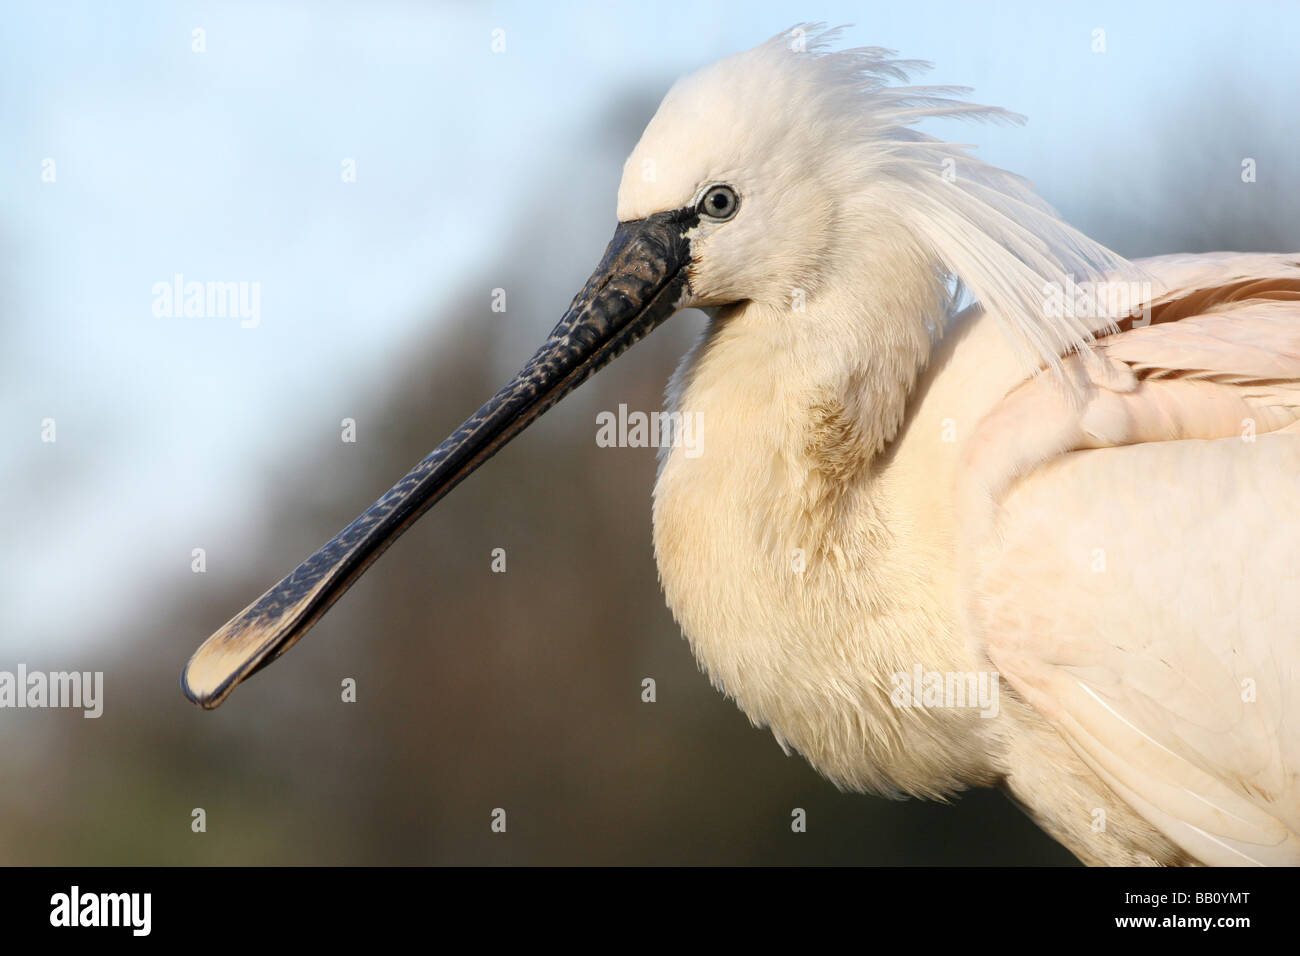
638 284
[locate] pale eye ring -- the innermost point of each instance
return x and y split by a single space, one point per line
719 203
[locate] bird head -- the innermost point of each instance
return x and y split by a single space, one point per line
739 151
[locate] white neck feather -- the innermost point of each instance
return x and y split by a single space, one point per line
784 548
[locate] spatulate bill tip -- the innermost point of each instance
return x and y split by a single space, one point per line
204 693
222 662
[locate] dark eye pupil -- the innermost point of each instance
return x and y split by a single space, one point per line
719 201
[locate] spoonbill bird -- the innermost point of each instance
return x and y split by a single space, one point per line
979 502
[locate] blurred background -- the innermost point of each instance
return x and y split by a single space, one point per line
486 142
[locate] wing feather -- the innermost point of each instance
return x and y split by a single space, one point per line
1130 574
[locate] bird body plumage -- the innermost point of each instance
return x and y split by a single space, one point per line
886 487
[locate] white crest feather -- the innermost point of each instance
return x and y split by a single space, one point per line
1032 250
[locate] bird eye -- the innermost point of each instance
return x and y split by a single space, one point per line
719 203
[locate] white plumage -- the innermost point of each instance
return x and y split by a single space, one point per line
886 487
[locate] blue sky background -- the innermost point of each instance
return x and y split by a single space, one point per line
225 165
